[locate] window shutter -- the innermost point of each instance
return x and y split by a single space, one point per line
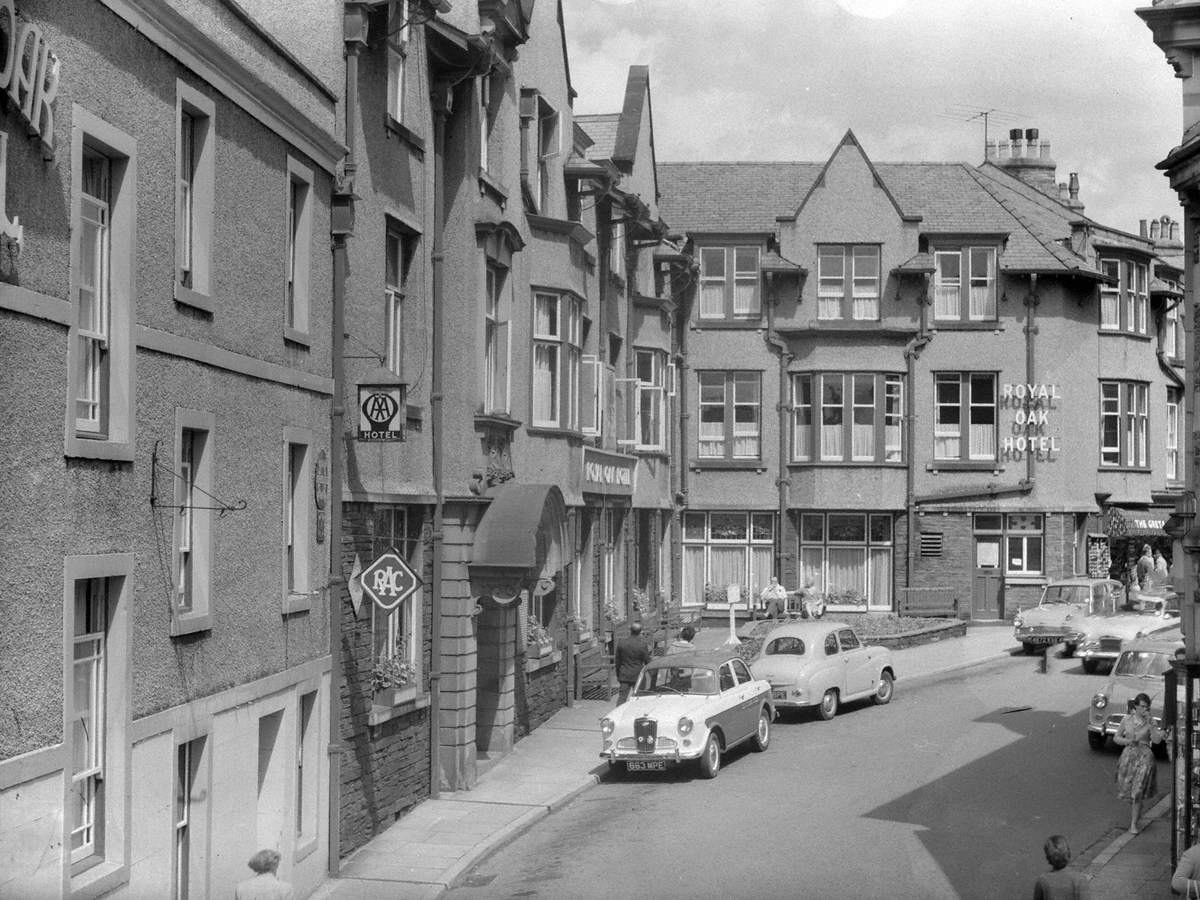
591 382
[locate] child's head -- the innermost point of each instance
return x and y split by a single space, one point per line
1058 851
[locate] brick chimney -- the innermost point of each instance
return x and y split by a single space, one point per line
1027 157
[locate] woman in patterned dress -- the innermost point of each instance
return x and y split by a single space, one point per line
1136 771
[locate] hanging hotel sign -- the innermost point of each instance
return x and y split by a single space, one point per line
1032 405
381 412
29 74
608 473
389 581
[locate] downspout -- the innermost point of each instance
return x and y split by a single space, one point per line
1031 302
631 385
440 103
679 451
912 350
354 35
782 480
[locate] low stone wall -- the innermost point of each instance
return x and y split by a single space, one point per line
938 632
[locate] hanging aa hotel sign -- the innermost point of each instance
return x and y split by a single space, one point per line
381 409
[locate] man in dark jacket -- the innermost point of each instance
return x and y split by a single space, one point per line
631 654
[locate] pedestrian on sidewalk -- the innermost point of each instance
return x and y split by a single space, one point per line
631 654
1061 883
1137 775
1145 566
683 643
265 885
1186 879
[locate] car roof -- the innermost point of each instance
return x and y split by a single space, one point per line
807 629
709 658
1161 642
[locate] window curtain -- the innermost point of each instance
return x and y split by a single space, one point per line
881 577
693 576
544 364
728 566
712 299
848 569
983 285
762 567
812 567
983 441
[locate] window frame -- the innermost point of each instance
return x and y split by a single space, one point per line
966 405
729 403
398 34
1173 332
193 521
1024 535
878 536
1130 296
400 242
297 520
729 280
548 139
401 625
651 434
298 260
497 339
116 437
887 388
1172 426
966 280
761 532
841 292
1124 404
564 343
195 199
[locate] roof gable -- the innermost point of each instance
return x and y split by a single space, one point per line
848 144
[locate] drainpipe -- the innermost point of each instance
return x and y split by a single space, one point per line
440 102
782 480
911 351
354 34
679 451
1031 329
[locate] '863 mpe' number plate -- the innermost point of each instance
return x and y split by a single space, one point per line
646 765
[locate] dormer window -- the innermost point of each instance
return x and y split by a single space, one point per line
1125 301
848 282
965 285
729 283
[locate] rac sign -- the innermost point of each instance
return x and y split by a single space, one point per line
389 581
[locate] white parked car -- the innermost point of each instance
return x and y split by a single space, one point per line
823 664
685 707
1100 638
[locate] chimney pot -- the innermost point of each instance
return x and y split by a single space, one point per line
1142 228
1014 134
1073 186
1174 231
1031 134
1154 230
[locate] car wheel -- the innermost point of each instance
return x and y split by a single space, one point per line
1096 741
710 762
1090 666
883 693
1068 650
762 737
829 704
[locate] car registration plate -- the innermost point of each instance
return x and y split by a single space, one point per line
1042 639
646 765
779 695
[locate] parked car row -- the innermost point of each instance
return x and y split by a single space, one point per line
693 707
1141 667
1093 619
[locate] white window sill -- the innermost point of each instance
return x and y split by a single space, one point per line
295 336
305 849
186 296
1017 578
98 880
98 448
294 603
191 623
542 662
401 703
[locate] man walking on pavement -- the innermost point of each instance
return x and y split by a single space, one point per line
631 654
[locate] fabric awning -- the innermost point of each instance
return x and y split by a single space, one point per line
1135 522
524 527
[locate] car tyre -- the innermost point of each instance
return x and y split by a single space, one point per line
1096 741
1090 666
883 693
710 761
829 704
762 736
1068 651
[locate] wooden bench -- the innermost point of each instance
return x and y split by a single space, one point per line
929 601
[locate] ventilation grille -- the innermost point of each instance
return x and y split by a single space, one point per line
931 543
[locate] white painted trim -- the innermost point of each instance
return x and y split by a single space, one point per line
35 305
178 37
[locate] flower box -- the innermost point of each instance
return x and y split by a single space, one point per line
537 651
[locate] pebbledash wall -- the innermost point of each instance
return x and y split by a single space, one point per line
147 744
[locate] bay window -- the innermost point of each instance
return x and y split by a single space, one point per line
1124 424
847 556
724 548
557 355
651 366
861 417
1124 296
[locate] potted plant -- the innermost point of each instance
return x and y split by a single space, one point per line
583 633
392 672
537 638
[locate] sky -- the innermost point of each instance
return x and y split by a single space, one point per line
785 79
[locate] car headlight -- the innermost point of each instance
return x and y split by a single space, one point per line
1140 634
1099 701
606 726
1018 621
685 725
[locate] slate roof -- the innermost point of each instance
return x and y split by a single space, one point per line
603 130
731 196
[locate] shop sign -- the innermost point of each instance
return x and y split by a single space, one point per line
607 473
381 412
29 75
321 491
389 581
1032 405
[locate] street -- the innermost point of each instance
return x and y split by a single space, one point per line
949 791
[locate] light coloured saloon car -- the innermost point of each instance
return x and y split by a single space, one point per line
1139 669
688 707
823 664
1100 638
1062 604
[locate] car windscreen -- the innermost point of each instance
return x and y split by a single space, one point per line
1066 593
788 645
678 680
1142 663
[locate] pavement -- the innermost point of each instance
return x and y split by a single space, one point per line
435 844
